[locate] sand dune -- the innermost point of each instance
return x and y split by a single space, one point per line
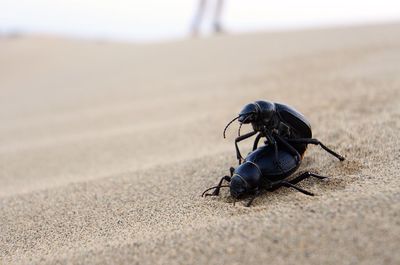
105 149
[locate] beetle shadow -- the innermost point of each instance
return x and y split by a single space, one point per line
335 169
340 175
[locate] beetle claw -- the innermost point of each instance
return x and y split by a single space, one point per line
215 193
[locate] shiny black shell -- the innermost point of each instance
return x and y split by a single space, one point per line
260 169
264 158
300 127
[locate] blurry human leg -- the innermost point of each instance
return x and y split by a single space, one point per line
198 17
217 16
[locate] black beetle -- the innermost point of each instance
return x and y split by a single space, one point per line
269 119
260 172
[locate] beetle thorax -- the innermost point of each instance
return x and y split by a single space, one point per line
264 126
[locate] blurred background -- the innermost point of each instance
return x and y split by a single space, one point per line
111 97
111 122
155 20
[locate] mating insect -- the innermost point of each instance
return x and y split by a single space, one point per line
259 172
270 119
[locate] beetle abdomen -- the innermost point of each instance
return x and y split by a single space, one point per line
299 125
295 120
264 158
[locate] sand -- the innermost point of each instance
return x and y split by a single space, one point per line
105 149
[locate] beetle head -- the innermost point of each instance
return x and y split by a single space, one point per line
259 111
259 114
238 187
248 114
266 111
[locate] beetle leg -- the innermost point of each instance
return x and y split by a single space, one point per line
290 185
216 188
252 198
289 146
316 142
305 175
277 162
271 140
255 145
231 170
241 138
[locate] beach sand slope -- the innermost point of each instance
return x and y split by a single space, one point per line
105 149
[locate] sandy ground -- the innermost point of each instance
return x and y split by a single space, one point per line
105 149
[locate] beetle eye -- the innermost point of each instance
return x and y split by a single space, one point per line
244 118
248 118
249 109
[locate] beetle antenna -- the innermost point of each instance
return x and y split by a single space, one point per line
229 123
240 127
215 187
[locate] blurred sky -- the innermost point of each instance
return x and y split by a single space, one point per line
151 20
